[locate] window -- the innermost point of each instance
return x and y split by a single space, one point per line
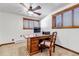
68 18
58 21
36 24
30 23
76 16
25 24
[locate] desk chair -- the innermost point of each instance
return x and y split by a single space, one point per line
49 44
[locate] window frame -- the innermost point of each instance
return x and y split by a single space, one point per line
61 12
29 21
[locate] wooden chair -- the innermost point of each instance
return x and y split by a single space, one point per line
49 43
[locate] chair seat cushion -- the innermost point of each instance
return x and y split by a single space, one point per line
46 43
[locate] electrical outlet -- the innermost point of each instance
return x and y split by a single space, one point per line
20 35
12 39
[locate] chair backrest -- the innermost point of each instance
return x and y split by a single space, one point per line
53 38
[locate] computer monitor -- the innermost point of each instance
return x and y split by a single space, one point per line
37 30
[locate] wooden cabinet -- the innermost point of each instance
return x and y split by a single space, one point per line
32 45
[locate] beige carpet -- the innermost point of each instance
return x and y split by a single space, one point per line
20 50
59 52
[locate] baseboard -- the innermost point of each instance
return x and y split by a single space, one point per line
67 49
7 43
19 41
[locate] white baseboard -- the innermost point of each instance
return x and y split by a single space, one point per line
20 41
7 43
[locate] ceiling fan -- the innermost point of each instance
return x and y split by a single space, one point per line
31 9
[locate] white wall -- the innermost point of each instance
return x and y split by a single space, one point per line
46 23
68 38
11 26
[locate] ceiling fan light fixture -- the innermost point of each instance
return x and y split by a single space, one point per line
30 12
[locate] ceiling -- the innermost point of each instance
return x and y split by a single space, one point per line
16 8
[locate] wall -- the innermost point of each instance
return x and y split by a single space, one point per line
68 38
11 27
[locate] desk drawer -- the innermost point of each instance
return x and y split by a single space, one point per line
34 42
34 48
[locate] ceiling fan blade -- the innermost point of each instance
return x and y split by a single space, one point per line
36 8
23 5
37 13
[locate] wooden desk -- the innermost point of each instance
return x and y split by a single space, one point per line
33 44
